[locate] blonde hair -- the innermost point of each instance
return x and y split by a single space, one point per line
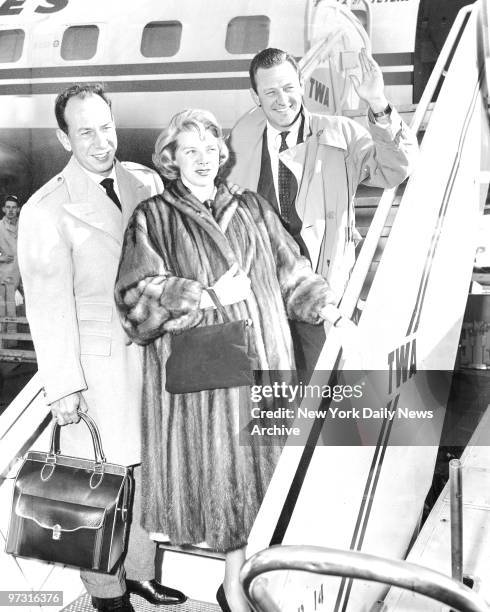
166 144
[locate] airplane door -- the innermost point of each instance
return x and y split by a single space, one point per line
434 20
335 37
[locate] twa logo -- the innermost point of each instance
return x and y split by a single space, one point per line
402 365
319 92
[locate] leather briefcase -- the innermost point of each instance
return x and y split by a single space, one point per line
70 510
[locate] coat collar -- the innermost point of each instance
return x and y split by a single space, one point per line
177 195
325 139
319 130
324 127
91 205
132 191
322 131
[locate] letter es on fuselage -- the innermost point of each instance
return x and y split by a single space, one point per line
15 7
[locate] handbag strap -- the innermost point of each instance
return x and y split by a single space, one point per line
219 306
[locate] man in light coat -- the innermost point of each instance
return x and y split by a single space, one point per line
70 238
9 268
309 167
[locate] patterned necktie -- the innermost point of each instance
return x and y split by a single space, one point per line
286 183
108 185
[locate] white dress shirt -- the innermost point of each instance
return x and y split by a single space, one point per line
97 178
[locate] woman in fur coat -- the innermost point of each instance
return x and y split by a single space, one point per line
200 484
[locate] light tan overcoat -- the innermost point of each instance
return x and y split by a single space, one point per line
337 155
70 238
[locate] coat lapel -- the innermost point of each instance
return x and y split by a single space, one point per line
89 203
246 146
182 199
318 163
265 185
132 192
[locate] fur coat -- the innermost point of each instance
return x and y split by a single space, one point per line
199 483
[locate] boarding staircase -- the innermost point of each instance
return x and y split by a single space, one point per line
313 492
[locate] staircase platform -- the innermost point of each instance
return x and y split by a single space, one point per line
82 604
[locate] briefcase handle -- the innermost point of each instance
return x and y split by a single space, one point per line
94 432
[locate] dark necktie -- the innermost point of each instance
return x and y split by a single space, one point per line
108 185
286 184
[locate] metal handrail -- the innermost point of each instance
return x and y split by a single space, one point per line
364 260
484 47
369 246
309 61
353 564
24 419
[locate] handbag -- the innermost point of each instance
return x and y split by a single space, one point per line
70 510
211 357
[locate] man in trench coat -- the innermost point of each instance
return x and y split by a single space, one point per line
323 159
70 238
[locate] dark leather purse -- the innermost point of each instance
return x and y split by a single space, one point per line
70 510
211 357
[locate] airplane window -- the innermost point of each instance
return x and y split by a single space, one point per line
161 38
79 42
247 34
11 45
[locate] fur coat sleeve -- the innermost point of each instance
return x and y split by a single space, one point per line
151 300
304 292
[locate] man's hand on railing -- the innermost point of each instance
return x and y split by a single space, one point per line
347 333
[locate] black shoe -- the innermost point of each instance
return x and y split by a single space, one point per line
221 599
113 604
155 593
